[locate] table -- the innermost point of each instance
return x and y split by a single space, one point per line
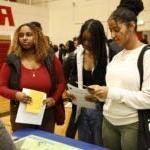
69 141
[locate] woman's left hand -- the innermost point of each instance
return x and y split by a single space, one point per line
49 102
98 91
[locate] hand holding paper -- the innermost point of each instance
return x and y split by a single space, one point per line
37 101
49 102
32 113
99 92
80 97
23 97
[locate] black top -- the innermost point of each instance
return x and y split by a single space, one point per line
88 79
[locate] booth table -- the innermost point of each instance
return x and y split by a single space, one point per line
57 138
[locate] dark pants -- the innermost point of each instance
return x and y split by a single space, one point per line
122 137
48 122
6 142
72 126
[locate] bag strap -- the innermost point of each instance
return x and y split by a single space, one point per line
140 63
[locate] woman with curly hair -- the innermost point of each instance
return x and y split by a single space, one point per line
31 64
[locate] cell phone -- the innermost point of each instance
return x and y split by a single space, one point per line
85 86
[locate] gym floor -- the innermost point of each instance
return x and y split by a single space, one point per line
5 116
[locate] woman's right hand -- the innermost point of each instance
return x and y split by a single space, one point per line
69 95
22 97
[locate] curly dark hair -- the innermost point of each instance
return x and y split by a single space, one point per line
40 43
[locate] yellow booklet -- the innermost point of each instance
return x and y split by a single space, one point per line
37 101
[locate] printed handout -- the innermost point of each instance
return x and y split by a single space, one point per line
32 113
80 95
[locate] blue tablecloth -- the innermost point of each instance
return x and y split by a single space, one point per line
69 141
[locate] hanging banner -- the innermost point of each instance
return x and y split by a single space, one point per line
6 15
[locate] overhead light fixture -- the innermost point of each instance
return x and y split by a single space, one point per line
140 21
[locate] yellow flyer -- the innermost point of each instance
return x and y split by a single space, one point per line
37 101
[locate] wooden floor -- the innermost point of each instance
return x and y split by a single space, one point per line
4 116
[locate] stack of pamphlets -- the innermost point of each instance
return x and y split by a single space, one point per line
33 142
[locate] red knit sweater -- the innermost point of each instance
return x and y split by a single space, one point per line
37 79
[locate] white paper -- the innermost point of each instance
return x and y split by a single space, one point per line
33 142
27 117
80 95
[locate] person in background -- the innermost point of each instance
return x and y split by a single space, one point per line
31 64
70 46
55 48
145 39
75 41
49 41
69 49
122 96
88 66
6 142
37 24
62 52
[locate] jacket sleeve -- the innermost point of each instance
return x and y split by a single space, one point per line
135 99
70 69
60 82
67 67
5 91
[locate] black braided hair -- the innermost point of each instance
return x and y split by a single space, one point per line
96 28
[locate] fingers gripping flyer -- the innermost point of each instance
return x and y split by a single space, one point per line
80 95
32 113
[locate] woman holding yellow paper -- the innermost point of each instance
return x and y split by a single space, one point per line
31 64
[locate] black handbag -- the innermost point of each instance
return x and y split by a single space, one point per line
144 115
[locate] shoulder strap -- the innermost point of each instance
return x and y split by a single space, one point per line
140 63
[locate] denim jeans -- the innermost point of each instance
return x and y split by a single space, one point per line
90 126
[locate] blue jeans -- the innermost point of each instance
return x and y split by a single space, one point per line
90 126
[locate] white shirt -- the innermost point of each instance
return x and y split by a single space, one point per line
123 80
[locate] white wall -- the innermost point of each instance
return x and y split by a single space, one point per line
62 19
67 16
145 16
23 13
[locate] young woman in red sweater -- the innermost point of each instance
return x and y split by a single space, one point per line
31 64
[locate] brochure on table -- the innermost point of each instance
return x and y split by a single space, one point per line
33 142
